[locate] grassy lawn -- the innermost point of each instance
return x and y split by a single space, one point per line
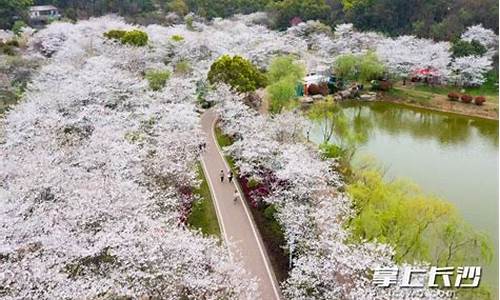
224 141
489 89
412 95
203 215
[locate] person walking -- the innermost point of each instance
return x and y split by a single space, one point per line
230 176
235 196
221 175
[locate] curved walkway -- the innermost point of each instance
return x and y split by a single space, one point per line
235 220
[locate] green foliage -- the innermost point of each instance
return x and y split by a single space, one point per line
253 183
157 79
441 19
364 67
224 8
135 38
189 22
370 67
237 72
10 9
345 66
182 67
280 94
203 215
115 34
285 66
284 11
418 226
179 7
462 48
222 139
177 38
18 26
331 151
269 212
284 73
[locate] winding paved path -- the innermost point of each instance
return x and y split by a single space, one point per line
235 220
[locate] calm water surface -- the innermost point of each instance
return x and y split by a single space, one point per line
454 157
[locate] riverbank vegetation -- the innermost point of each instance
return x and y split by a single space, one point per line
419 226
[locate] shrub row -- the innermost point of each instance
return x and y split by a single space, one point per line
479 100
133 37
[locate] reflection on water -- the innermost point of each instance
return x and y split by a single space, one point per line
455 157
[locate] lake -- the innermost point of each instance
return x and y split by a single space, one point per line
454 157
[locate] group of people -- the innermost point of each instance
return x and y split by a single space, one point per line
202 146
230 176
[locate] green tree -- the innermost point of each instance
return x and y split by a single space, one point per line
135 37
18 27
418 226
283 12
370 67
224 8
9 9
280 93
157 79
237 72
462 48
345 66
364 67
285 66
179 7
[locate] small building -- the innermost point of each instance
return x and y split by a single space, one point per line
44 13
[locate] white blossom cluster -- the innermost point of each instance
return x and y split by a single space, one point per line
95 175
484 36
309 206
402 55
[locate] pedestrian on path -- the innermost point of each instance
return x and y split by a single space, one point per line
221 175
230 176
236 196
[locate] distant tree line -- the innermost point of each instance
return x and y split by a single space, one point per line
437 19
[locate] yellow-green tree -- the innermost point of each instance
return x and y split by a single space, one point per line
419 227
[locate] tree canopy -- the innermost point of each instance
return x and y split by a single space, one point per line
237 72
9 9
285 66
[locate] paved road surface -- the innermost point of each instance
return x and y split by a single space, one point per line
235 218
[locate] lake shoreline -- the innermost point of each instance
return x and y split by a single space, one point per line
440 103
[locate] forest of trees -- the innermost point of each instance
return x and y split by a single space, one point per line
437 19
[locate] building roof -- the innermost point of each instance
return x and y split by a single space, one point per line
43 8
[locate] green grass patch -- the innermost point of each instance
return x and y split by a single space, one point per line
222 139
488 89
203 215
411 95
